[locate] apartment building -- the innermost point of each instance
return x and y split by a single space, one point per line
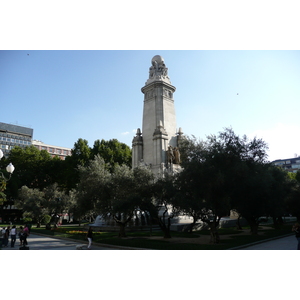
14 135
289 164
61 152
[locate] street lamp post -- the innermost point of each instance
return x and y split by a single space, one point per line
10 168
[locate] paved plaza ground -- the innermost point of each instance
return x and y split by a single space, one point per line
39 242
285 243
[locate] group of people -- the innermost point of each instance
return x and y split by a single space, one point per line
13 233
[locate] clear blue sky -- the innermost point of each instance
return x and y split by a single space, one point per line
66 95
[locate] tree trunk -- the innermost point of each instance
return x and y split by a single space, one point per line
167 233
253 225
165 228
122 225
214 234
238 224
192 225
213 227
214 237
122 232
254 229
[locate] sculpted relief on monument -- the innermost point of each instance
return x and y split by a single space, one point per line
158 70
173 155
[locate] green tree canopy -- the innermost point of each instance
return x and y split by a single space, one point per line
226 172
33 203
113 152
116 194
33 168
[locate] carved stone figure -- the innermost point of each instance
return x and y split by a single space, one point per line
170 155
158 68
173 155
142 163
164 70
176 155
151 72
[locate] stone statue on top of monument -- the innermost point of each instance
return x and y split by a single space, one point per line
158 70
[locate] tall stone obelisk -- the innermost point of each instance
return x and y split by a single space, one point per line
157 145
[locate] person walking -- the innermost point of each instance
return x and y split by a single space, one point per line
296 229
6 236
25 235
2 231
13 236
90 237
21 235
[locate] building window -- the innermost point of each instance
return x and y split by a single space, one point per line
296 166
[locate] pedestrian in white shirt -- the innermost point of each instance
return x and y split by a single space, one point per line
13 236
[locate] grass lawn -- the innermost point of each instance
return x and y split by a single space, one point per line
199 240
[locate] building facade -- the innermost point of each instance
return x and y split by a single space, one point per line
13 135
61 152
290 164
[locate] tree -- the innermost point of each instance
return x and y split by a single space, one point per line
251 193
80 156
144 187
281 185
203 181
164 208
124 200
33 204
57 202
92 193
113 152
31 169
292 202
227 172
248 180
37 203
118 195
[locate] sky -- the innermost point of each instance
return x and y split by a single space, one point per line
65 95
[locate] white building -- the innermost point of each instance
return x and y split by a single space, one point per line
61 152
289 164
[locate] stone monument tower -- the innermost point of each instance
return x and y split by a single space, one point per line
157 145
